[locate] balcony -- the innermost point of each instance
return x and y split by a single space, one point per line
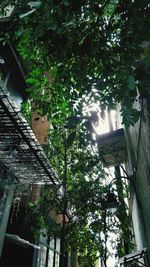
136 259
113 147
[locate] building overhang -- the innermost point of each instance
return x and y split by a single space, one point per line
137 258
112 147
20 153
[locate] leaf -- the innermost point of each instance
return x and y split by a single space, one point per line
27 13
34 4
131 83
71 139
145 44
73 122
66 2
68 24
147 61
130 115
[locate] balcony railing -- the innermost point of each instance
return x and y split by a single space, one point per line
136 259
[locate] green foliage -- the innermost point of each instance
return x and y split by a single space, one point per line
90 44
130 116
83 185
126 242
82 175
81 52
26 111
37 214
35 220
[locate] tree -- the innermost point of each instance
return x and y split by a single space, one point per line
76 160
81 187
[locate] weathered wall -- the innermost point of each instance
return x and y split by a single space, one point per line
40 127
138 147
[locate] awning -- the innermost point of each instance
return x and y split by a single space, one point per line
20 152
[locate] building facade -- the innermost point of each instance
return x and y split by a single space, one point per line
25 171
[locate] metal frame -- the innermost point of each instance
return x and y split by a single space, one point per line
20 151
136 259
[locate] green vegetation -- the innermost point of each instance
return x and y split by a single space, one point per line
77 46
79 53
76 160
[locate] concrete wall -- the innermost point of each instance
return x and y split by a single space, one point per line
138 148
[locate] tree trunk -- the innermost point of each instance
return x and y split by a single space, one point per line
74 259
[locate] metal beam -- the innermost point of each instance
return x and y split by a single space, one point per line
26 139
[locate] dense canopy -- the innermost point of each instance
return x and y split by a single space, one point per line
95 48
